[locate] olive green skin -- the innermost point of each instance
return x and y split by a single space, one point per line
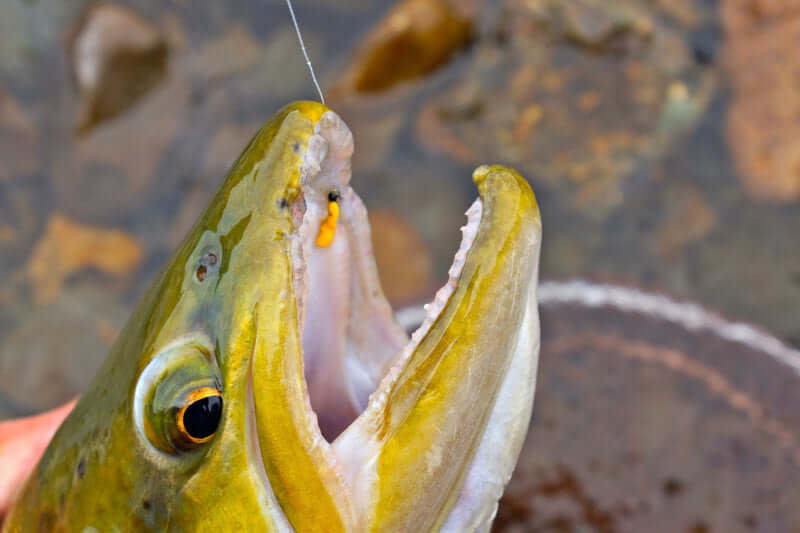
98 472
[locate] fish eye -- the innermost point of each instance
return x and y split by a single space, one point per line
178 400
198 420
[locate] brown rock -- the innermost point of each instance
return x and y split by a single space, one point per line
578 94
67 248
117 57
404 262
740 15
763 126
110 171
645 422
413 39
597 24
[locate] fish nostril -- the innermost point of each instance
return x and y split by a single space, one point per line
206 266
81 470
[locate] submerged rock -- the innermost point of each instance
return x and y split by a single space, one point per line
67 248
764 122
117 57
579 90
413 39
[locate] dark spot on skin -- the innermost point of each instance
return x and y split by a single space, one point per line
201 272
212 258
333 196
704 43
146 505
671 487
81 468
283 203
296 146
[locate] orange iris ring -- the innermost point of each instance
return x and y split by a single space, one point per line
192 397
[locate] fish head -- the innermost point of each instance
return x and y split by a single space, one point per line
263 384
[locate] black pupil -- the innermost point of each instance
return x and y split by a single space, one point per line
201 418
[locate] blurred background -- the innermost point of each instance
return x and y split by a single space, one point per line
661 137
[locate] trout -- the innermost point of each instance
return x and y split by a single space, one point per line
262 383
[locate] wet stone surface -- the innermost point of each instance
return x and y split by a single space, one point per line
660 138
703 445
117 57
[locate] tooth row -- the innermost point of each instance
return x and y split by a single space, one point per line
432 310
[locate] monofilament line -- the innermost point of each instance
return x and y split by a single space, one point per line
303 48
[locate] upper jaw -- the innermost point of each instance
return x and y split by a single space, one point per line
409 421
348 332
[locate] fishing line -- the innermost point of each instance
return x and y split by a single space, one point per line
303 48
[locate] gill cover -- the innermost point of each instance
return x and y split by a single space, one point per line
267 332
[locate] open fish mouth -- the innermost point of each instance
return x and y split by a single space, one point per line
350 339
400 432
